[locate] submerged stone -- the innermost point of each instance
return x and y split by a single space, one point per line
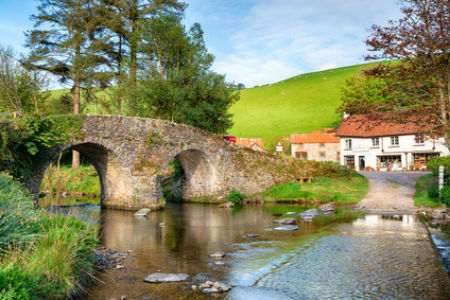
163 278
290 213
287 228
142 212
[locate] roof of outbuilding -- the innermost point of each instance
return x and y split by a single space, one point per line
309 138
366 126
248 142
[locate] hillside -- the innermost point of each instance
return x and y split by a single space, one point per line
296 105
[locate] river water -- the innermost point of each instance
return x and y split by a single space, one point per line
373 257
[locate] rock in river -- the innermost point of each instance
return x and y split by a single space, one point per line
217 255
162 277
142 212
309 214
326 209
287 228
286 221
250 236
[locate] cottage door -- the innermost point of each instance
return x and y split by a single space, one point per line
362 163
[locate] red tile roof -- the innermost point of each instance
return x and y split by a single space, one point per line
310 138
367 126
248 142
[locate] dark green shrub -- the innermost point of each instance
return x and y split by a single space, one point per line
446 195
235 196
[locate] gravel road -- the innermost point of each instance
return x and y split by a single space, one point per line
390 192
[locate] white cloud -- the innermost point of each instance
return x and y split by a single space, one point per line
254 71
283 37
327 67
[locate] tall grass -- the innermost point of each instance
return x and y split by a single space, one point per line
42 256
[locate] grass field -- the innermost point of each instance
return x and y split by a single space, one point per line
427 192
299 104
322 189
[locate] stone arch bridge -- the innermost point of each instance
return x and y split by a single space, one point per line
130 154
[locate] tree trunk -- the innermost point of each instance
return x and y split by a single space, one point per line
76 107
76 111
119 79
133 55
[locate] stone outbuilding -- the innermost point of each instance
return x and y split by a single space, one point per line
316 146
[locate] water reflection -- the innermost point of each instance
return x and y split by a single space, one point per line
375 257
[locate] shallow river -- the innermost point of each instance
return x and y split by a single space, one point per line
374 257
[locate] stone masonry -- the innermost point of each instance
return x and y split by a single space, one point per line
130 154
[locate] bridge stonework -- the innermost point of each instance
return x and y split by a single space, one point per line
130 154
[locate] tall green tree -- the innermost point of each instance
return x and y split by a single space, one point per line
177 82
61 44
121 20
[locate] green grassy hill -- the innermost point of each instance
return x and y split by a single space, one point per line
296 105
299 104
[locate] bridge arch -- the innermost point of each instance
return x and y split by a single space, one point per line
201 172
115 178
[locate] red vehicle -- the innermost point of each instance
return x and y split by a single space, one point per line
230 138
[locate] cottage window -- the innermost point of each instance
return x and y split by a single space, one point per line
348 144
321 145
322 154
301 155
349 160
376 142
419 139
394 141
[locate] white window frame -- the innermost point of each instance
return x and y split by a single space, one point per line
348 144
395 141
376 142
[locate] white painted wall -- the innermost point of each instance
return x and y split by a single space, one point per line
407 146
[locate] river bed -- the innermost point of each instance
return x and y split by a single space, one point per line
373 257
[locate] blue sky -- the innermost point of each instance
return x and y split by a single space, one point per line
259 41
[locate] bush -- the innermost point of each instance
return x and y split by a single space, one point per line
434 163
235 196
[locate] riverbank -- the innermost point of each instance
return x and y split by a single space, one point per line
43 256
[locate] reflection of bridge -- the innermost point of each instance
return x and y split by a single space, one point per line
131 153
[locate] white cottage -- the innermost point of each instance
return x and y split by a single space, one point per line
382 145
